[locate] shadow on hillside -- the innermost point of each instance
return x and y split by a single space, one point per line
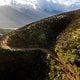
23 65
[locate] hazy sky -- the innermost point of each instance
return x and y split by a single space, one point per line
44 4
25 9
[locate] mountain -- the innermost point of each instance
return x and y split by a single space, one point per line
40 33
46 49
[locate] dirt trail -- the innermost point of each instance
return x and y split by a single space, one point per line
4 45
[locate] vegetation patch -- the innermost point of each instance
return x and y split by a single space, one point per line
68 49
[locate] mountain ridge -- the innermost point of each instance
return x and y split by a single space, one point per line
44 30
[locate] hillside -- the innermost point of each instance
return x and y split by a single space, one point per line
40 33
57 36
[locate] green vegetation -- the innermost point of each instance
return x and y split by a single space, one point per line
68 48
56 71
